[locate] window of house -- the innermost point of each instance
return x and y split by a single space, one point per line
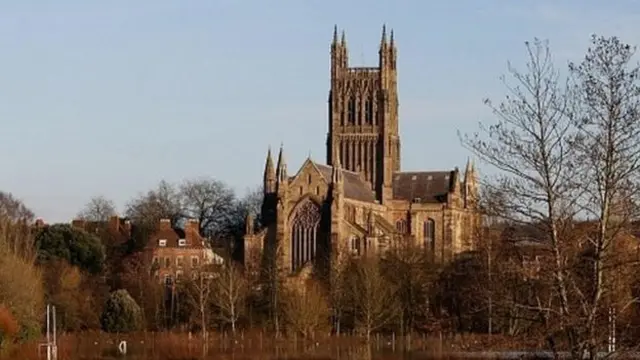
168 280
179 261
429 233
162 242
179 275
167 262
194 261
154 262
194 275
182 242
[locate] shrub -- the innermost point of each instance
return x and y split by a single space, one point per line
8 326
22 293
121 313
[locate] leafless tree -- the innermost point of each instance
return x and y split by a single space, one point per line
529 144
607 91
306 309
147 209
15 227
230 294
200 294
566 154
374 298
272 282
14 209
338 291
99 208
410 269
209 201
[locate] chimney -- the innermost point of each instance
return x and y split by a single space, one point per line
165 224
193 225
78 224
127 227
114 223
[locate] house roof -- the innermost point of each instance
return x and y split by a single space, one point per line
423 186
164 231
354 186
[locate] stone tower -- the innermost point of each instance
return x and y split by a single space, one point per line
363 116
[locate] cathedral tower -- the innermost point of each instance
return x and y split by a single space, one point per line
363 115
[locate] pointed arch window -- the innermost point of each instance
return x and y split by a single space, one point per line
429 234
356 246
351 110
401 226
368 111
305 231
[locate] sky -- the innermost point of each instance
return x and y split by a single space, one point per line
110 97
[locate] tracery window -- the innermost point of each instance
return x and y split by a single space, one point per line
304 234
351 112
429 234
401 226
368 111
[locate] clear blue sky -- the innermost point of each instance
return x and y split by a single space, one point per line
109 97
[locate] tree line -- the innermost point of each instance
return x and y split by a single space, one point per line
555 259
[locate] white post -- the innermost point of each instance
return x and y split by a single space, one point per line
48 334
55 332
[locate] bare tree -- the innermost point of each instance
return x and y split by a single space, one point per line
306 309
15 227
230 294
338 291
156 204
209 201
566 154
14 209
374 297
607 90
529 144
410 268
99 208
199 293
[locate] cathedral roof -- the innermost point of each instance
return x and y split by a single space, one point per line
423 186
354 186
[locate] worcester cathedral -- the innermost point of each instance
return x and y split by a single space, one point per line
360 202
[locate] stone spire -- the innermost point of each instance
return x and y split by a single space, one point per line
281 169
269 179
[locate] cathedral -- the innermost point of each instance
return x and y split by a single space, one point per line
360 202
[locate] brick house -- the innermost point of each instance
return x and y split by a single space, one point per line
175 252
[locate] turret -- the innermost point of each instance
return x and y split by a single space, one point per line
248 225
339 57
470 184
269 179
282 179
387 52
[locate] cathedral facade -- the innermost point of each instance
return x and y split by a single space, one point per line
361 202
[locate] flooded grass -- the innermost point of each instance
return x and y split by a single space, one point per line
260 346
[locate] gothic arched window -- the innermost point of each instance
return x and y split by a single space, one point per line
401 226
305 229
351 111
368 111
429 234
355 246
